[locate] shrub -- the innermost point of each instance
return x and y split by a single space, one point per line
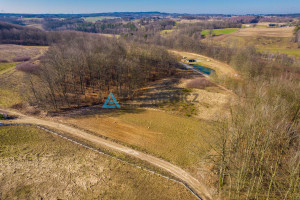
21 59
28 68
18 106
30 110
3 61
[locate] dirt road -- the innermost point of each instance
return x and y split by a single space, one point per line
193 183
220 67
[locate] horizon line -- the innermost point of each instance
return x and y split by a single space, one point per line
172 13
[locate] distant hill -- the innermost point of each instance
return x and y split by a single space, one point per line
17 34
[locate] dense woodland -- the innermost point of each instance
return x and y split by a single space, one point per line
15 34
107 26
83 69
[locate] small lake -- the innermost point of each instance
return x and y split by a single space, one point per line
205 70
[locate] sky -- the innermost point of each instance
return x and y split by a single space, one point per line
169 6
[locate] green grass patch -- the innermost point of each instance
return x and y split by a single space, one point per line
17 135
187 90
166 32
6 66
219 31
291 52
9 97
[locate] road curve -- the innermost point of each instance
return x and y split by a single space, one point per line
199 188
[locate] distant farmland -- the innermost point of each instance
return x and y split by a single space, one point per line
95 19
220 31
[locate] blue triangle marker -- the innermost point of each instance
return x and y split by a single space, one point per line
111 102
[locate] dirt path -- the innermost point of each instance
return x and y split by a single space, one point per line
193 183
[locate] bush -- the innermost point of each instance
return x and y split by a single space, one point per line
30 110
28 68
3 61
21 59
19 106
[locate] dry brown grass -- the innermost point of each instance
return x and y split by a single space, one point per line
212 102
11 87
38 165
174 138
265 32
10 51
270 40
12 84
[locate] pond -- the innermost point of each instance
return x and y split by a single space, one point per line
205 70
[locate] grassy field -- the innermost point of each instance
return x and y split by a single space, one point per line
95 19
9 98
166 32
11 87
272 40
219 31
38 26
37 165
12 83
266 32
181 140
10 51
291 52
6 66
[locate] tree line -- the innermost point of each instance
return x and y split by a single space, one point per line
16 34
107 26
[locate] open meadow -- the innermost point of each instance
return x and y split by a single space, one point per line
269 40
12 84
37 165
